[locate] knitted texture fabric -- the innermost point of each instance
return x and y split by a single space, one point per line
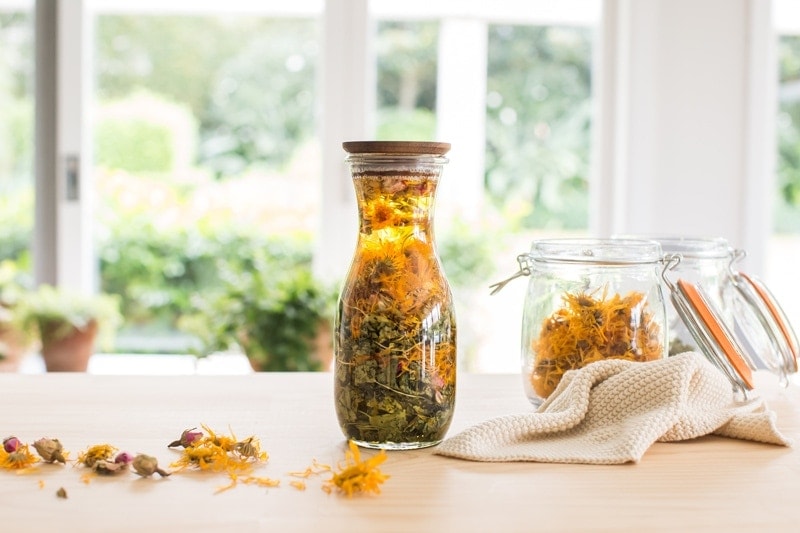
611 412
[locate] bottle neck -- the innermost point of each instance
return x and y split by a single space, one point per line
398 204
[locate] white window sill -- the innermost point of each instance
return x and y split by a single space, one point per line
155 365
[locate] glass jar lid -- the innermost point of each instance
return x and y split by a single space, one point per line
596 251
770 321
695 247
704 321
583 251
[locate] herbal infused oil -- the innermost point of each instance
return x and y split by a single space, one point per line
395 330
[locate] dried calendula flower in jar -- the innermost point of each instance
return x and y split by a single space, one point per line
589 329
50 450
588 300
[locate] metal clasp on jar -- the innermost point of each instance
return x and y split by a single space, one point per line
524 262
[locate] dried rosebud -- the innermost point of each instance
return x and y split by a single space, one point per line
50 450
187 438
146 466
123 458
11 444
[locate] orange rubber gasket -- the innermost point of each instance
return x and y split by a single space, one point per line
773 310
715 328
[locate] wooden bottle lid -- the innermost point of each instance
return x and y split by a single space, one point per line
396 147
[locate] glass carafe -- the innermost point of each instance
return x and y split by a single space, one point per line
395 327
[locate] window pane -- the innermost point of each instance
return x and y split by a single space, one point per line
538 121
537 81
784 245
205 153
16 152
406 58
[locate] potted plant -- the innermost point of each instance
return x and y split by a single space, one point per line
280 317
69 325
15 343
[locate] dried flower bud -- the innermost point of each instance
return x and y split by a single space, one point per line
248 448
62 493
11 444
123 458
187 438
109 468
50 450
146 466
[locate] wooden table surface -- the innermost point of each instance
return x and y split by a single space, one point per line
711 484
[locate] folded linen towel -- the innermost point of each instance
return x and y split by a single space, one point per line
611 412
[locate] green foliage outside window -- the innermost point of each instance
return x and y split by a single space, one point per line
787 208
538 122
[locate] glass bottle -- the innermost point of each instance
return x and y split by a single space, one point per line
589 300
395 327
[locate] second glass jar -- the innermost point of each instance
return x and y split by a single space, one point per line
589 300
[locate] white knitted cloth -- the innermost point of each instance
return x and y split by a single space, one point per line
610 412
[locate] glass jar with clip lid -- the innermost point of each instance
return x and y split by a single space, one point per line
743 332
588 300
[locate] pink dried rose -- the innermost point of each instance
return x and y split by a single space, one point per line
123 458
11 444
187 438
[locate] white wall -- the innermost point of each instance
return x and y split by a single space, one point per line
688 120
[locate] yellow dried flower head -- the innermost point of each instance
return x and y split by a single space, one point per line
19 459
357 476
221 453
93 454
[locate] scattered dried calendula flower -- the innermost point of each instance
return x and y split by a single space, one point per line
299 485
357 476
19 459
93 454
50 450
41 483
221 453
146 466
315 469
61 493
249 480
224 454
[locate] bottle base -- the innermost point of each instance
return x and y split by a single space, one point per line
395 445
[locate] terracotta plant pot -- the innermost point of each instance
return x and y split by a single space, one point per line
69 353
13 348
